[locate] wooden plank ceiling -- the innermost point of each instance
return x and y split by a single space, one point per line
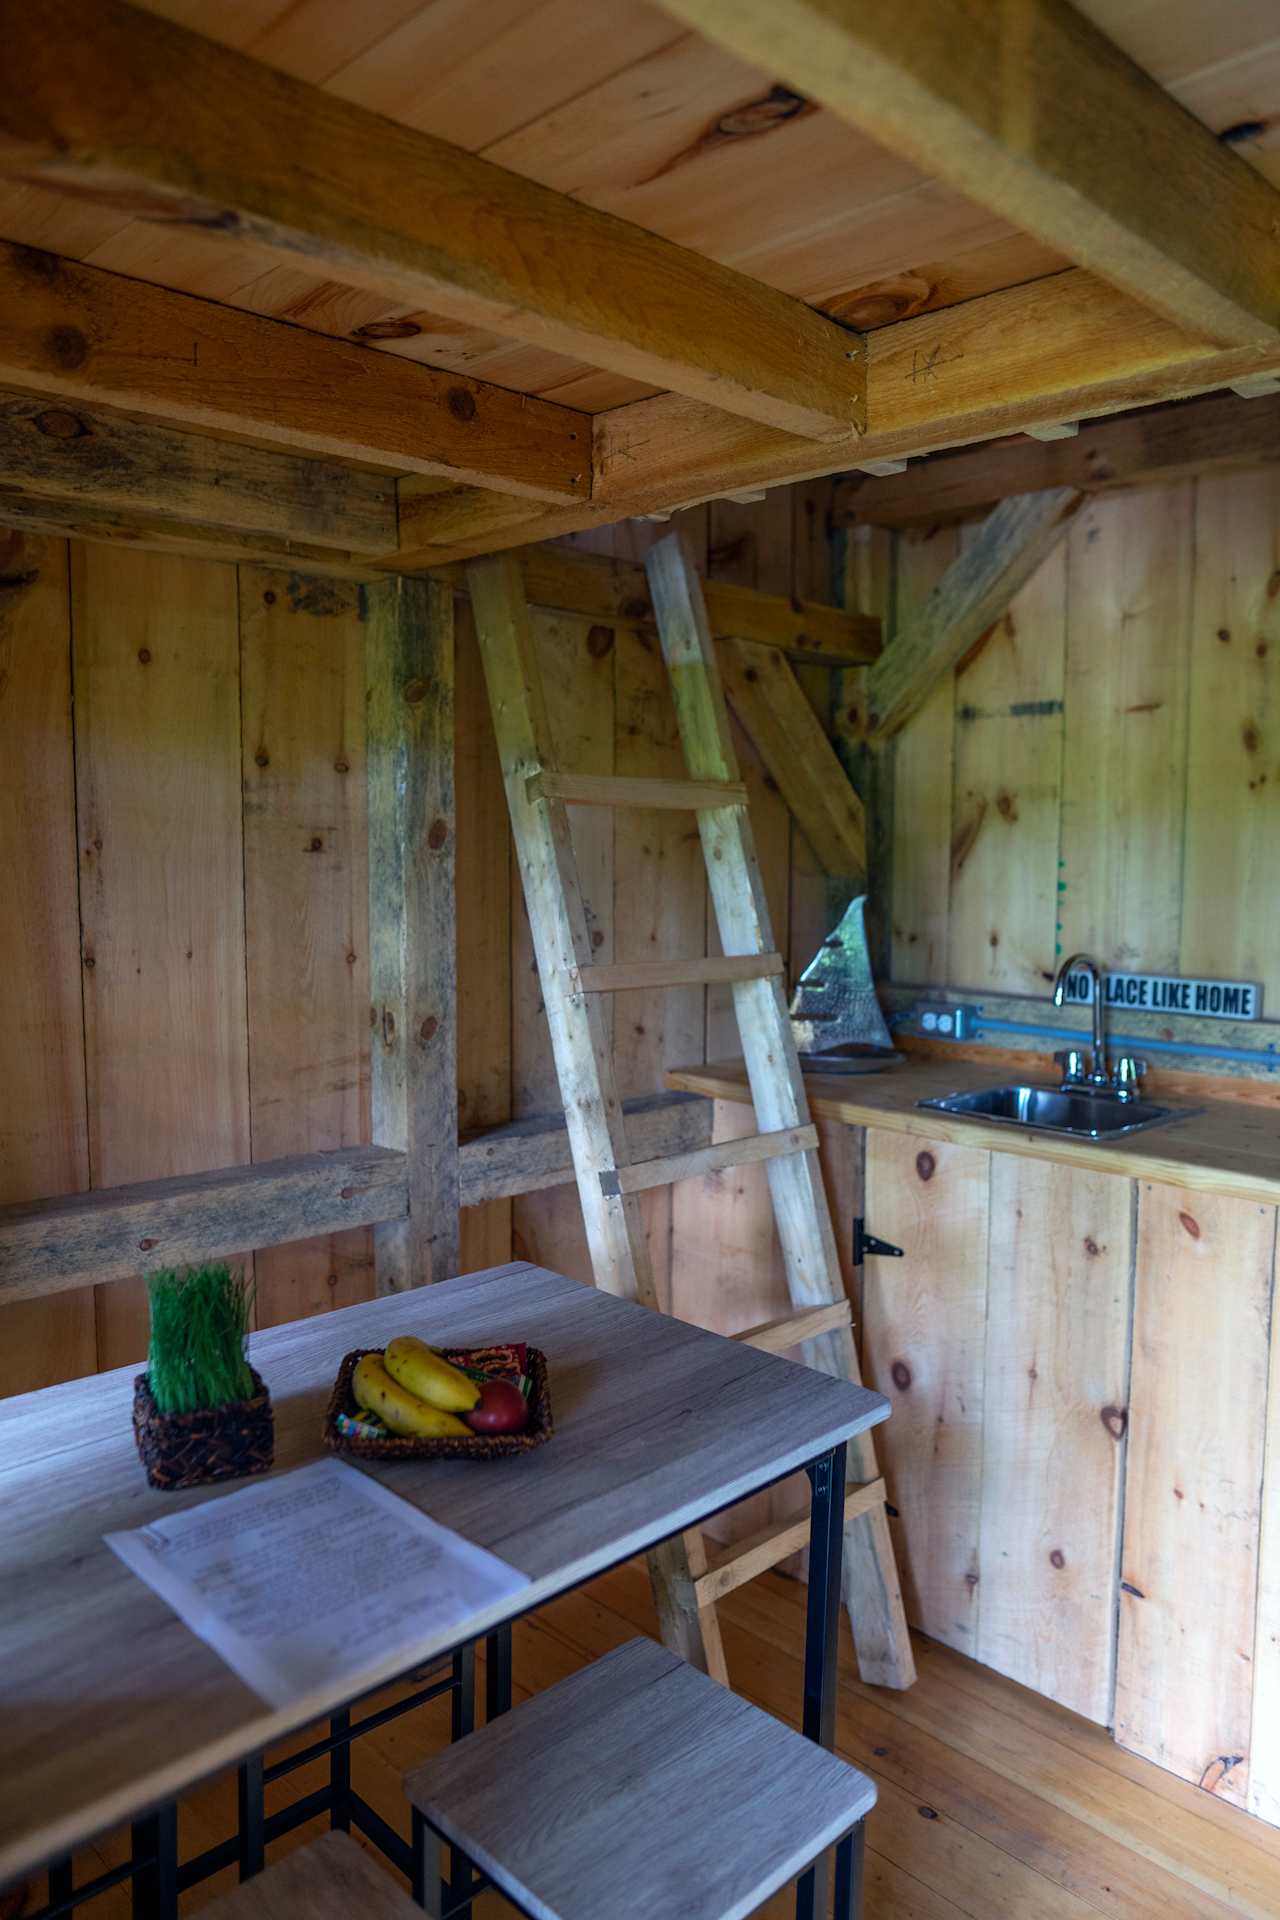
625 110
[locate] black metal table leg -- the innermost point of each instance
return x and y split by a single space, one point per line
252 1817
497 1674
155 1884
464 1691
850 1855
61 1882
340 1771
821 1639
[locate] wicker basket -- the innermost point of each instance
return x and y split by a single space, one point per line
479 1446
191 1449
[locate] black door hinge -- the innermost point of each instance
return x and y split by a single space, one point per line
866 1245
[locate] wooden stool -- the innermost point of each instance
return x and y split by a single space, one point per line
331 1879
637 1788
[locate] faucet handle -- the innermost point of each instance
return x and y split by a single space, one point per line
1129 1072
1072 1063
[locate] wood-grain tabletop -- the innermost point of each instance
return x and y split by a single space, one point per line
110 1705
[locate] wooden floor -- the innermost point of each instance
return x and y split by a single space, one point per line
994 1804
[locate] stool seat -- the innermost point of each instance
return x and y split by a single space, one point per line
331 1879
638 1788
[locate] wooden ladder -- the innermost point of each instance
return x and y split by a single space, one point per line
688 1578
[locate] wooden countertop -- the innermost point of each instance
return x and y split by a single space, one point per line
1221 1146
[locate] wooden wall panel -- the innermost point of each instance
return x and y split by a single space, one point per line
1198 1414
659 907
923 1346
749 544
1129 598
817 901
1054 1398
1007 795
43 1127
1231 902
923 758
484 896
157 702
306 906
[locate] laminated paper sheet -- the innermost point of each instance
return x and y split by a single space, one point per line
315 1578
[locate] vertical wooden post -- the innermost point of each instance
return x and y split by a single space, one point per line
412 929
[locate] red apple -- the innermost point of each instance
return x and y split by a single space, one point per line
501 1408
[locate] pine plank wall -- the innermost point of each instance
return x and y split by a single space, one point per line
183 939
1116 745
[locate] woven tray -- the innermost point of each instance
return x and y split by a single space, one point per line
479 1446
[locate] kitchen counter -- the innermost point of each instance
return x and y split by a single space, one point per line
1221 1146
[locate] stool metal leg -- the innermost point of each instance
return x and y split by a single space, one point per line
821 1638
428 1867
850 1861
497 1674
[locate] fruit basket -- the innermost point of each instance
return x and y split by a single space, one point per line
478 1446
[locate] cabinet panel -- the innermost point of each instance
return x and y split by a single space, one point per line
1193 1497
1054 1399
924 1320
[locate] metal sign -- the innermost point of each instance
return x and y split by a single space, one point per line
1169 993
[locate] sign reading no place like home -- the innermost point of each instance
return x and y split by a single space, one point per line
1167 993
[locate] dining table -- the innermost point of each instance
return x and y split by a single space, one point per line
112 1708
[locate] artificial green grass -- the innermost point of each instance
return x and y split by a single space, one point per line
199 1321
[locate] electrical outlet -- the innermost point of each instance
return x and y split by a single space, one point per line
947 1023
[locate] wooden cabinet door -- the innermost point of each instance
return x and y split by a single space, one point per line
1194 1500
1001 1339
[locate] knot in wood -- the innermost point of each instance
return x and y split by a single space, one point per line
59 423
437 834
461 404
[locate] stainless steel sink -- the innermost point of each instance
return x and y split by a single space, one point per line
1092 1116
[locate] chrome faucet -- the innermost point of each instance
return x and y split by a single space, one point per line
1099 1076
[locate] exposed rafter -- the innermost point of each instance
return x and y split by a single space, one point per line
100 97
1067 346
1035 114
1171 442
98 338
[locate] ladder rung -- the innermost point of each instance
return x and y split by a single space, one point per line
779 1336
609 790
680 973
733 1566
687 1166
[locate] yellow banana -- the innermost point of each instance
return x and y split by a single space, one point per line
403 1412
421 1370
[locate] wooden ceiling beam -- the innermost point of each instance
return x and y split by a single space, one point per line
1068 346
1033 113
1170 442
106 464
103 99
98 338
